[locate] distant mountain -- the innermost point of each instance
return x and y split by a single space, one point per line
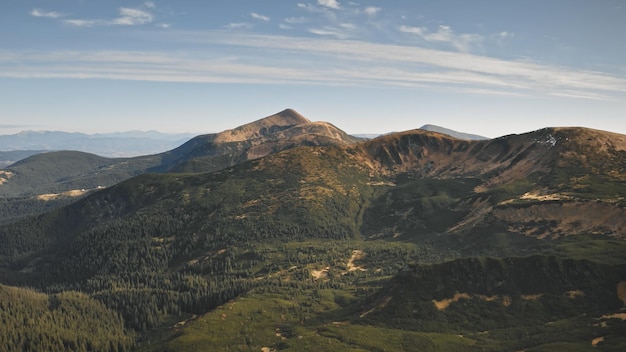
367 135
122 144
449 132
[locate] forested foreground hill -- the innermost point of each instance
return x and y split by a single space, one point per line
300 249
67 321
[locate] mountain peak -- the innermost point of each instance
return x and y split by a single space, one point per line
292 115
267 125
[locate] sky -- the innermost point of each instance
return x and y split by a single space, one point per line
488 67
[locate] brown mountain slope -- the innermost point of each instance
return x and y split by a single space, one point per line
262 127
550 182
285 130
578 151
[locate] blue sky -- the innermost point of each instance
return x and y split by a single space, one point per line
490 67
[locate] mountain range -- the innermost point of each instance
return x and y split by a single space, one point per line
287 234
121 144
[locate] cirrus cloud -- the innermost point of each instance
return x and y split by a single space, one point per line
47 14
260 17
445 34
319 61
333 4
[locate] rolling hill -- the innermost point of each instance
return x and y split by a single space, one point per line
341 245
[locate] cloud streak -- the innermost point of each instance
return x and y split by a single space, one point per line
317 61
127 17
132 17
47 14
445 34
371 11
260 17
333 4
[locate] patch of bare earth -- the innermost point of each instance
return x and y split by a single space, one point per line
620 316
320 274
5 176
574 294
505 300
532 297
597 340
445 303
69 194
535 195
357 254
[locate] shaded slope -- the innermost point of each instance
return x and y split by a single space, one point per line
506 303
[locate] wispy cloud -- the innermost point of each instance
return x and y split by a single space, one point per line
445 34
47 14
127 17
238 25
260 17
333 4
132 17
296 20
329 31
371 11
291 22
319 61
310 7
84 23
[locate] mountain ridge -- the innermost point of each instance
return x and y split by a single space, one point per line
405 240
